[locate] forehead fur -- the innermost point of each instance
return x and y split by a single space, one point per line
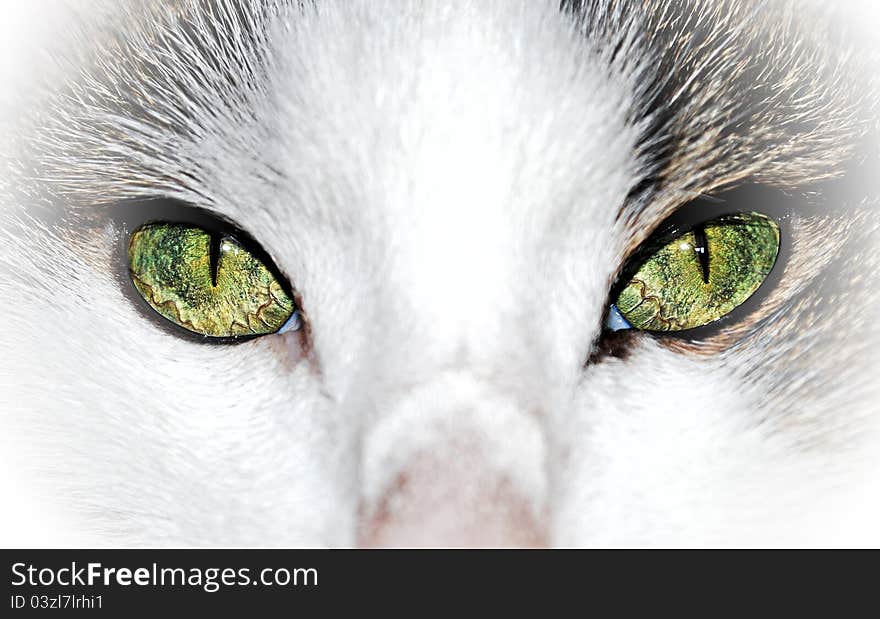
717 96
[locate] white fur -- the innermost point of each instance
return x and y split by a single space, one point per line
442 183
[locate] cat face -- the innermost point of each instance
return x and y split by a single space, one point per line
453 191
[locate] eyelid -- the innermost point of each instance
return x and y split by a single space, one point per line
133 214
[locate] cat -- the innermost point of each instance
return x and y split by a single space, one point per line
454 190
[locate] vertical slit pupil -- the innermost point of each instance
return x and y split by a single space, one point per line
214 258
702 249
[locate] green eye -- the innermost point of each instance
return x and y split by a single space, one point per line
701 275
209 285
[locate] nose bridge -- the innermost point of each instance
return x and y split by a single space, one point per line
456 313
453 262
460 305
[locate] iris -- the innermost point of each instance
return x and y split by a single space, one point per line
699 276
209 285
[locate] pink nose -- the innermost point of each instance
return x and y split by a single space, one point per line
453 503
453 462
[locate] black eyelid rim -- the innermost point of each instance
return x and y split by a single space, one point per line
135 214
131 215
773 203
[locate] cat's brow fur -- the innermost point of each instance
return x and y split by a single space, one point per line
452 188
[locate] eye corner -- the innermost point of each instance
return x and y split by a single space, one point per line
613 345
